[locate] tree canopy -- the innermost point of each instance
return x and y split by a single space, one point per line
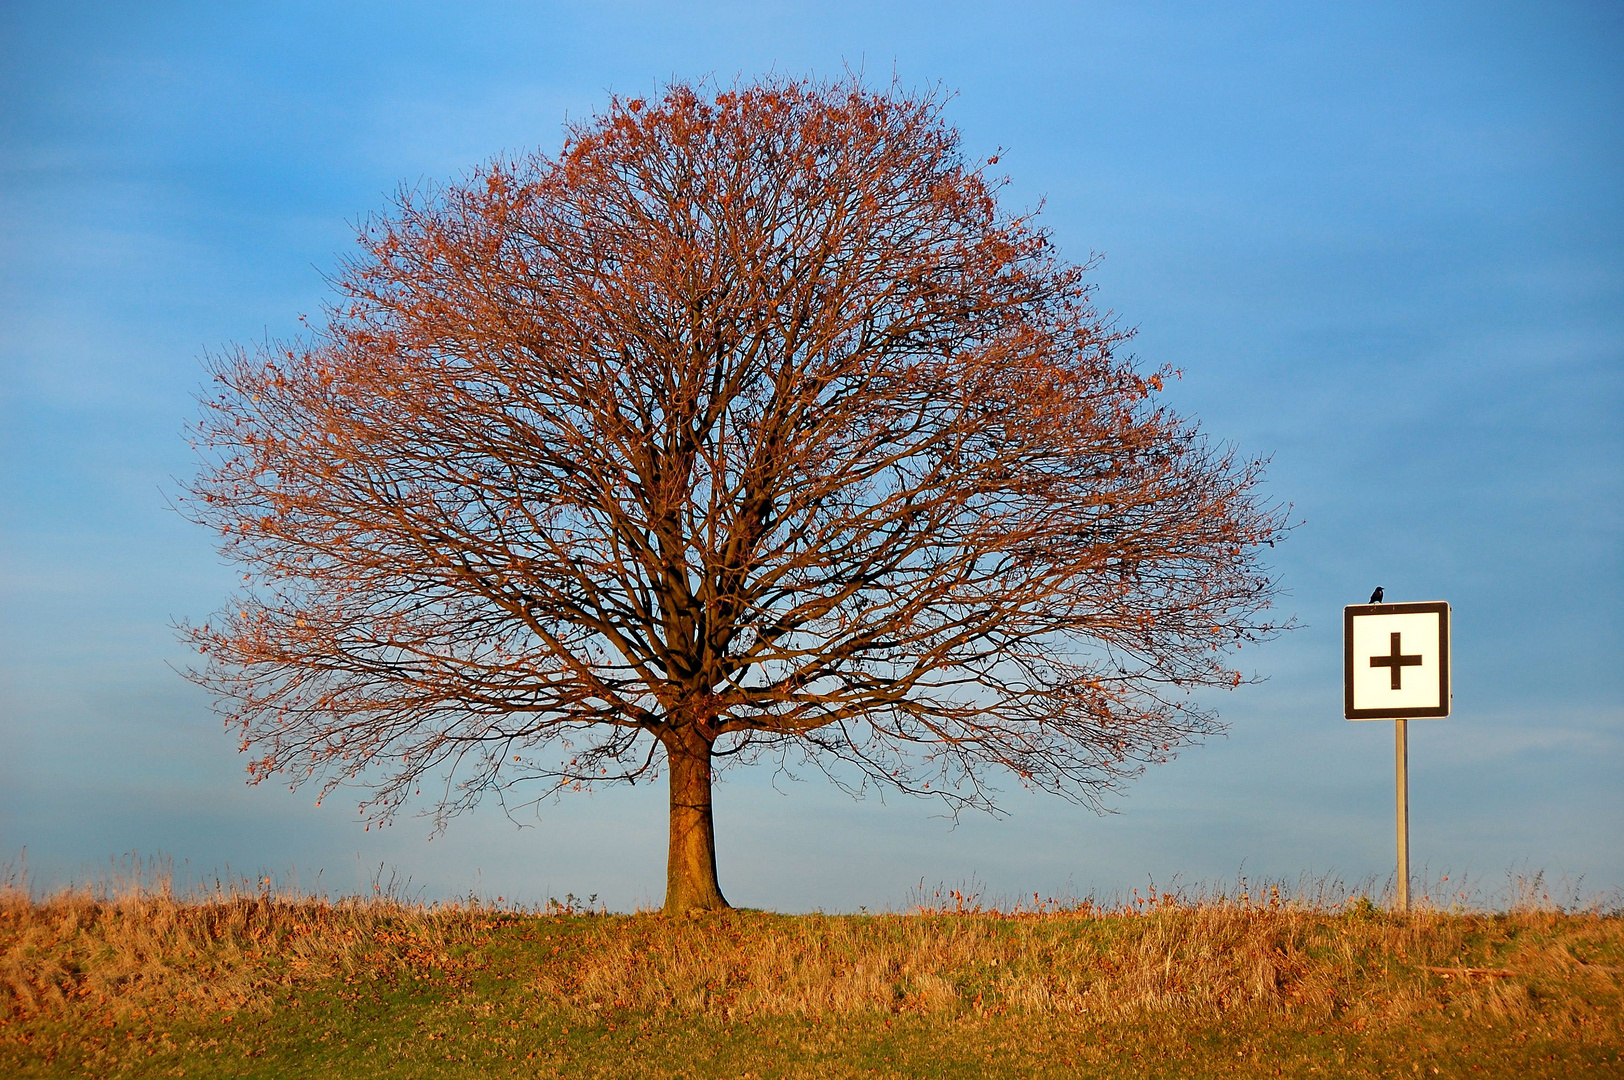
747 424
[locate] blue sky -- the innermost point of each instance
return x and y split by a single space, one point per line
1384 242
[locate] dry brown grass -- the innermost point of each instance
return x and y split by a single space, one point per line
1194 961
79 952
84 950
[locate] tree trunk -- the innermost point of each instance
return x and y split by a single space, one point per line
690 876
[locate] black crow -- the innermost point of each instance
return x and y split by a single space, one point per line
1376 597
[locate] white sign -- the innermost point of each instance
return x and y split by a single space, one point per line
1395 660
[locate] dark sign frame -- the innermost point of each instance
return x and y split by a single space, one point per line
1441 607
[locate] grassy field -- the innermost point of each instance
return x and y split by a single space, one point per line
261 985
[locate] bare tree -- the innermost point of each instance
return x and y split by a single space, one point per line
748 424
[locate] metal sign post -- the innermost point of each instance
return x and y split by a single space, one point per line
1401 769
1381 644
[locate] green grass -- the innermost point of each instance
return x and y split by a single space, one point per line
325 1035
265 987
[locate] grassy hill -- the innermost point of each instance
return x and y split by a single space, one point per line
262 985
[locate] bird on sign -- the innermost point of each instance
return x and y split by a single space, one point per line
1376 597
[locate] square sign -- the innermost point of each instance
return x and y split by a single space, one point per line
1395 663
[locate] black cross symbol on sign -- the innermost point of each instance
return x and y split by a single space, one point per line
1397 661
